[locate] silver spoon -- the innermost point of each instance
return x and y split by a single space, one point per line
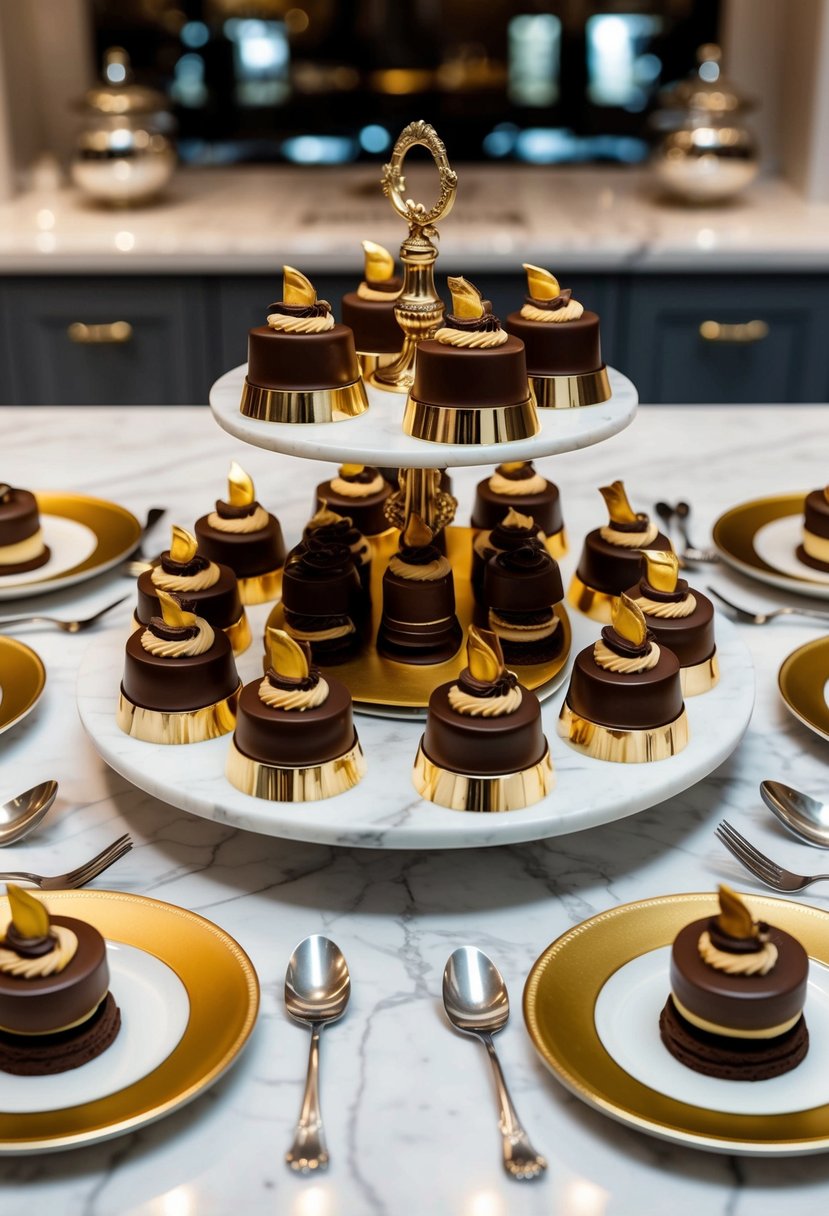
476 1001
803 815
317 988
22 814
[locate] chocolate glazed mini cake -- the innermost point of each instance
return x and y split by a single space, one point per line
327 528
242 535
360 492
513 531
302 367
418 624
814 548
737 992
624 702
324 603
610 560
56 1010
369 311
180 683
518 485
679 618
470 383
21 540
484 747
521 589
212 589
294 739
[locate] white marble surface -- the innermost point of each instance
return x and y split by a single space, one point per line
250 219
408 1104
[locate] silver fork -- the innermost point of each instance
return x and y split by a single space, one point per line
763 618
66 626
762 867
78 877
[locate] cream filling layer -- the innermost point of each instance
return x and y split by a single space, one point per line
301 325
240 525
553 316
186 582
530 485
665 610
22 550
629 540
484 707
767 1032
756 962
62 953
179 648
293 698
357 489
816 546
426 573
471 339
368 293
609 660
511 632
320 635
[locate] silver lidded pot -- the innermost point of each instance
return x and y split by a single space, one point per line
124 153
706 153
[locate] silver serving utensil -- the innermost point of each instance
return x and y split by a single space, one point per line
137 563
747 617
317 988
22 814
761 866
804 816
691 552
476 1001
78 877
76 626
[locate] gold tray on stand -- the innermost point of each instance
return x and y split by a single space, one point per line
386 688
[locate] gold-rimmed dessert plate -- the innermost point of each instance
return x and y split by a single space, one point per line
591 1006
188 996
22 680
803 681
759 538
87 536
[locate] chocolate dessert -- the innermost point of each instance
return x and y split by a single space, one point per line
180 683
324 601
210 588
326 528
241 534
294 734
360 492
369 311
418 624
21 540
625 697
737 992
56 1010
518 485
513 531
560 336
470 383
521 588
611 560
680 618
813 550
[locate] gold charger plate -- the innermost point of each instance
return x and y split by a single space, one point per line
734 534
22 680
559 1001
223 990
802 680
377 683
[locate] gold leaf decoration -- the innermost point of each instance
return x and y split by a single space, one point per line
484 656
173 613
288 657
662 568
541 285
240 488
629 621
620 510
351 470
296 288
514 519
29 916
183 545
417 533
467 301
734 918
324 517
512 466
379 264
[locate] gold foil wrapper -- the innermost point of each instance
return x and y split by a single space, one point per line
701 677
308 784
306 406
571 392
483 795
460 424
261 588
622 746
187 726
598 605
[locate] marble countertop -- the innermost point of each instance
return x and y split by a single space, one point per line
409 1106
250 220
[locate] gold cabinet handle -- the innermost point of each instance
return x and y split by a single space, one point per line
747 331
114 333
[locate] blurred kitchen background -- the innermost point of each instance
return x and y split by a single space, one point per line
160 159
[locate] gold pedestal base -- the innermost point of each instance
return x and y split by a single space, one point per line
598 605
571 392
238 634
457 792
371 363
556 544
622 746
701 677
261 588
310 784
486 424
186 726
306 406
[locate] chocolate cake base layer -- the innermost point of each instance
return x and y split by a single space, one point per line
483 747
178 685
717 1055
612 568
44 1004
34 563
564 348
527 654
633 701
299 362
816 514
220 605
19 517
545 508
808 560
367 513
44 1055
419 644
452 376
373 323
290 738
691 638
325 652
245 553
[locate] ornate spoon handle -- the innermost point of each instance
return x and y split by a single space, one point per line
309 1152
521 1160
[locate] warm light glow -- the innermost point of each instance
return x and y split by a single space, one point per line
124 241
584 1198
487 1203
313 1200
45 219
178 1202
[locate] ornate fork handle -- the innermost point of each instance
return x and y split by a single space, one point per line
521 1160
309 1151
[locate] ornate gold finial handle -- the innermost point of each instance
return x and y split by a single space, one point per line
393 181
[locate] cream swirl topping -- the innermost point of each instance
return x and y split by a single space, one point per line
420 574
368 293
200 581
571 311
320 635
756 962
472 339
815 546
484 707
298 699
301 325
528 485
667 610
357 489
626 665
52 963
240 524
629 540
22 550
180 648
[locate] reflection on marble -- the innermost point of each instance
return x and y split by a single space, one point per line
409 1106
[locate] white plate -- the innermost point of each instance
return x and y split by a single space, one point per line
776 543
383 811
70 542
376 437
